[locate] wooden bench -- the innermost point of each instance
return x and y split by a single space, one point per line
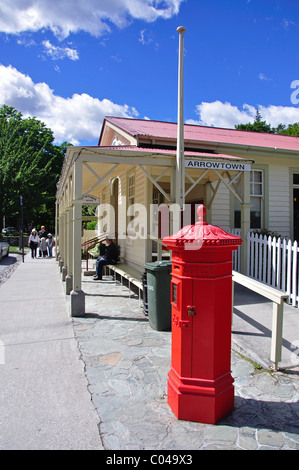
278 298
94 252
133 276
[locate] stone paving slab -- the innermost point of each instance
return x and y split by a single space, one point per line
126 365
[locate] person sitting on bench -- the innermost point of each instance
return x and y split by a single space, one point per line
110 257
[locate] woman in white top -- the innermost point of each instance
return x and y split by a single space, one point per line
33 242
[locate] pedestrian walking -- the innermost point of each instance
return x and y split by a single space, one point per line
42 233
50 244
43 246
33 243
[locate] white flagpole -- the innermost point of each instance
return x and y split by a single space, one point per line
180 160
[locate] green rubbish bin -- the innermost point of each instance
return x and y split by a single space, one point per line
158 294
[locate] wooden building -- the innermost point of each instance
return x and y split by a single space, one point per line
246 180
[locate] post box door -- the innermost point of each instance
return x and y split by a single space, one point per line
181 326
211 327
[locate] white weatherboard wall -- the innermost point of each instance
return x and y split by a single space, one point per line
221 208
135 249
279 196
132 250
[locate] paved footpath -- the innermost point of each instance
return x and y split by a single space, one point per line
99 382
45 403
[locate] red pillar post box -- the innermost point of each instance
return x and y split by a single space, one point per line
200 385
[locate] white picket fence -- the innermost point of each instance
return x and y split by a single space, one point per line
273 261
236 253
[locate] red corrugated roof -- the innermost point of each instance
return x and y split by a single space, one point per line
168 130
187 153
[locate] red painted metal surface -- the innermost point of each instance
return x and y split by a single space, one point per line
200 385
195 133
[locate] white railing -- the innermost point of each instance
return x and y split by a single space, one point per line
274 261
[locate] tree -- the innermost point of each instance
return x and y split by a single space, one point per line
261 126
257 126
292 129
30 165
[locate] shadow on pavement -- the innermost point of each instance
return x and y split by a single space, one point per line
277 416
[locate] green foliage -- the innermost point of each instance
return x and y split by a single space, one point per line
292 129
30 165
261 126
257 126
88 210
91 225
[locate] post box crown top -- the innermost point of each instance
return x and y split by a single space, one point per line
201 234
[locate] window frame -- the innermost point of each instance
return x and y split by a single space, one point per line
263 169
131 185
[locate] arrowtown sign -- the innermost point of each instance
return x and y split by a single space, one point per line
217 165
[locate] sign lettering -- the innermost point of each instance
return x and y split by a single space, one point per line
215 165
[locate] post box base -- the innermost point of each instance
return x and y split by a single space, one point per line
202 401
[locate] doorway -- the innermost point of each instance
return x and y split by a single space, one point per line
189 216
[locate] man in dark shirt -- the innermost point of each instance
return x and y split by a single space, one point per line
42 233
110 257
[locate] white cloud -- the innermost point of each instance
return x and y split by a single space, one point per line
287 24
72 119
142 38
27 42
275 115
226 115
262 76
146 38
220 114
93 16
57 52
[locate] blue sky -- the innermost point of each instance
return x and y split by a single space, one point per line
70 63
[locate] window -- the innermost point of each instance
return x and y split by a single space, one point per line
256 200
131 196
131 189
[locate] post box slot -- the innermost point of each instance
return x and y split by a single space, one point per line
174 293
